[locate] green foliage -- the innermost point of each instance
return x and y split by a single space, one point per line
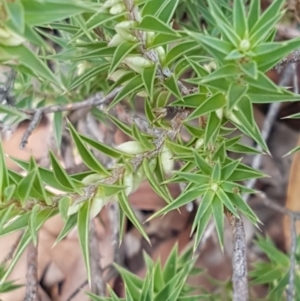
160 283
275 273
97 46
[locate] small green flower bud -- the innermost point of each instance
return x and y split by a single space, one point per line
138 61
131 147
149 38
244 45
199 143
166 160
219 113
128 182
116 40
110 3
161 54
214 187
117 9
97 204
74 208
10 38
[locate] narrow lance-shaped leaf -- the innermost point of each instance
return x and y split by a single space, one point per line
42 216
4 182
86 155
148 76
218 213
125 206
83 234
121 52
61 175
239 19
132 86
30 60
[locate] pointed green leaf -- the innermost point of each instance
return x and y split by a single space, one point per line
202 164
167 10
15 12
201 226
83 234
179 50
266 22
69 225
254 13
66 9
85 77
216 172
121 52
88 158
227 202
211 104
60 174
25 186
124 203
222 47
222 72
4 181
41 217
239 18
250 69
218 213
212 128
30 60
132 86
150 23
101 147
235 93
148 76
171 85
205 204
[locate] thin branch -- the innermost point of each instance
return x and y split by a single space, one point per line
5 92
239 259
31 276
277 207
130 118
287 32
292 58
92 101
12 250
98 286
291 288
32 126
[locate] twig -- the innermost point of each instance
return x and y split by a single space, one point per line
287 32
291 288
78 289
31 276
239 259
12 250
33 124
130 118
92 101
294 57
5 92
98 286
276 207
